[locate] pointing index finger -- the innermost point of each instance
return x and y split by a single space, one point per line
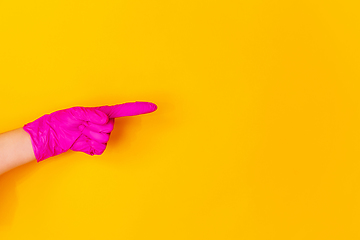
128 109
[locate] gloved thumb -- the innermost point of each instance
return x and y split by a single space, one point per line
90 115
128 109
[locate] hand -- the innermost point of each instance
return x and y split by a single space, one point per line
85 129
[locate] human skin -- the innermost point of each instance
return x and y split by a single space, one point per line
15 149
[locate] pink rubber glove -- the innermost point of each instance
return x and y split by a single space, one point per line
84 129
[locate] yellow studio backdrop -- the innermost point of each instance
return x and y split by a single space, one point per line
257 130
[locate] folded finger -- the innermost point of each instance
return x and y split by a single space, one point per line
97 136
88 146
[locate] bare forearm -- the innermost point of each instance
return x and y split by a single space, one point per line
15 149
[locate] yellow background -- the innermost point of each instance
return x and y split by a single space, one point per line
256 135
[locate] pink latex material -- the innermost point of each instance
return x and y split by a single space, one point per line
85 129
